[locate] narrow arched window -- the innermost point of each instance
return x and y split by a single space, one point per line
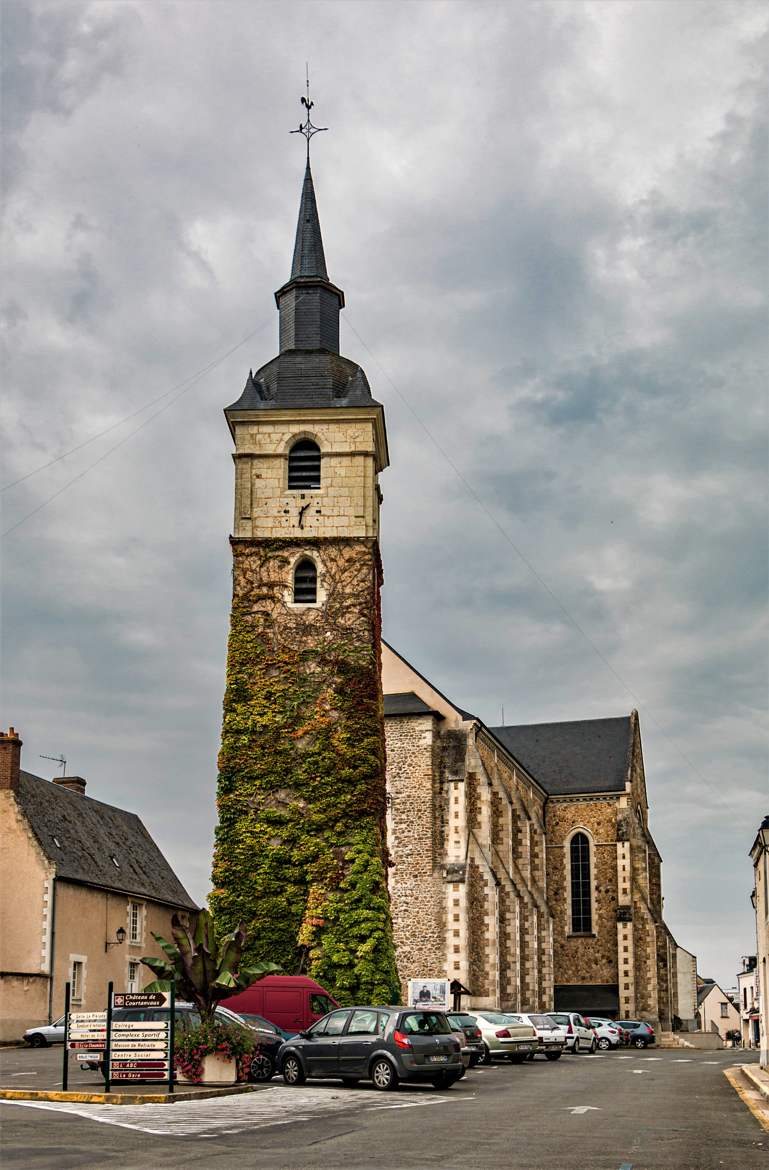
581 896
304 466
305 583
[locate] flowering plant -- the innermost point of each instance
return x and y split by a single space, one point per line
212 1039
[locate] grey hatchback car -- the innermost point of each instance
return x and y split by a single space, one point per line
385 1045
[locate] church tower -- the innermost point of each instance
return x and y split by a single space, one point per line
300 851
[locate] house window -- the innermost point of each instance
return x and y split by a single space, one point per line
579 874
724 1011
133 976
134 922
76 982
304 466
305 583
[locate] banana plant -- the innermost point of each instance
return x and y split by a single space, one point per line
203 969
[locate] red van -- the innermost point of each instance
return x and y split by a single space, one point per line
293 1002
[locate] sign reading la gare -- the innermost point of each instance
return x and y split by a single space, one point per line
429 993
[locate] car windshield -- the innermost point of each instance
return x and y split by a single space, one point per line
465 1021
541 1021
259 1022
559 1017
500 1018
425 1023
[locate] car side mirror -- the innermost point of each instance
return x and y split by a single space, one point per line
305 1035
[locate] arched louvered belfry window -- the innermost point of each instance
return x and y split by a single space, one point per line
581 894
305 583
304 466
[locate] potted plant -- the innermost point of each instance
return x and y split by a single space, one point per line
204 970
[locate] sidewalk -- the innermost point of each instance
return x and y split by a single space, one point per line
759 1077
139 1095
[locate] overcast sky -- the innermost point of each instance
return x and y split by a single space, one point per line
549 221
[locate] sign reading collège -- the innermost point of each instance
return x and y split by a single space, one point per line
140 1049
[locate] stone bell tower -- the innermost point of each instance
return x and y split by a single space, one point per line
300 849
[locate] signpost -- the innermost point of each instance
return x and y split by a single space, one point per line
141 1050
132 1049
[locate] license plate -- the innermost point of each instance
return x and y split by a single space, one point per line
438 1059
524 1048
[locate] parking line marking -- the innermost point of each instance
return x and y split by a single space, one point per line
683 1060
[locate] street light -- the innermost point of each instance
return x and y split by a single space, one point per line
120 934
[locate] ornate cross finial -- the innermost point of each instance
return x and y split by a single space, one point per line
307 127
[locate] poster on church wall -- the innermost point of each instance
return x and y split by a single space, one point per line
429 993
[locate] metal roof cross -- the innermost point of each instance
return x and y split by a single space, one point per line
307 127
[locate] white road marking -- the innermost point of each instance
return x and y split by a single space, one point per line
277 1105
25 1074
710 1062
582 1108
683 1060
639 1072
652 1058
627 1058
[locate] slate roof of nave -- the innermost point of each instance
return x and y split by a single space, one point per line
587 755
90 834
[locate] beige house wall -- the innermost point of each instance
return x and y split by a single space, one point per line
25 879
760 857
711 1019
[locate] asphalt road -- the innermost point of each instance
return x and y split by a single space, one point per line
665 1110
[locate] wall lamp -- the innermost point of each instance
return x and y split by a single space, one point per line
120 934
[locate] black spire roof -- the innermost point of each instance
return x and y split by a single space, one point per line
309 370
309 259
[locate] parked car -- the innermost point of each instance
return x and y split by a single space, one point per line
640 1034
293 1002
186 1016
607 1033
464 1048
473 1034
385 1045
578 1036
263 1025
503 1035
550 1038
45 1034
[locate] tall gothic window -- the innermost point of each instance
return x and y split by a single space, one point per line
305 583
304 466
581 897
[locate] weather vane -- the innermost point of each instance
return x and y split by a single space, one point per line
307 127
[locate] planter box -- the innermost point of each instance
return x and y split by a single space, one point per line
217 1070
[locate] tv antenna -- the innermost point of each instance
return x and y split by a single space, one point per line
57 760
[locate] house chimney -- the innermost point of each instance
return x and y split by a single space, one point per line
10 759
74 783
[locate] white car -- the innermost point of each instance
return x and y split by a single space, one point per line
550 1038
45 1034
578 1035
607 1033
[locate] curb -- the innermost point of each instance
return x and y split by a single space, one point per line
747 1096
761 1083
124 1098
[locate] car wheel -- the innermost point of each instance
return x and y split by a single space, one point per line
383 1075
531 1056
485 1057
262 1068
445 1080
350 1082
293 1073
552 1056
603 1043
593 1046
461 1073
576 1047
639 1042
37 1041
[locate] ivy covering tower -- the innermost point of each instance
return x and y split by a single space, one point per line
300 851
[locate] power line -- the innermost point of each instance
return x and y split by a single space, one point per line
133 414
187 384
537 576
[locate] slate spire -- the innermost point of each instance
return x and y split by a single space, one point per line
309 259
308 302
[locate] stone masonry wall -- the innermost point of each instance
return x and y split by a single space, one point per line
415 879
